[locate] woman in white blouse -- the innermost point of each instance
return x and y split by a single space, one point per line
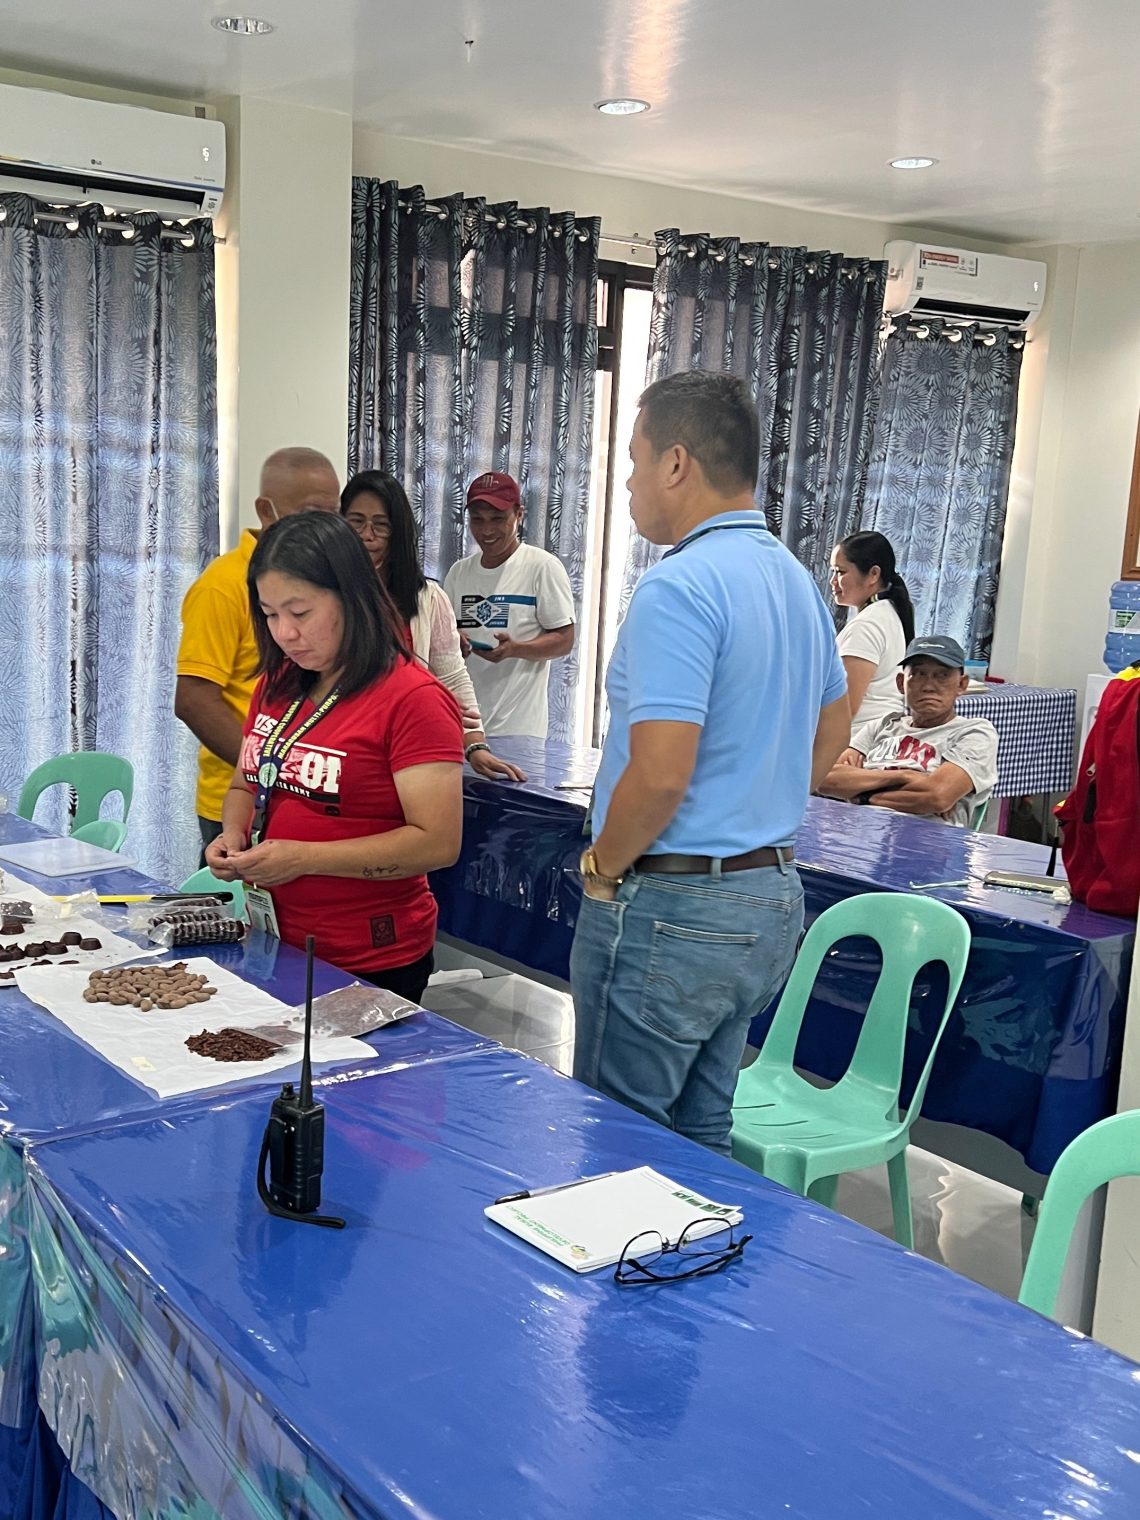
879 626
376 507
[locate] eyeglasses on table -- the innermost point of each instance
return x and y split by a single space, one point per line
699 1251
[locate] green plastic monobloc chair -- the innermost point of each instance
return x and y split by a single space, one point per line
805 1136
92 774
107 833
1106 1150
205 881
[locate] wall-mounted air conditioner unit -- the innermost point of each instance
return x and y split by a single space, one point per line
954 283
63 148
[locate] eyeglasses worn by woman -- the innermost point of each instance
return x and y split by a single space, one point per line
376 507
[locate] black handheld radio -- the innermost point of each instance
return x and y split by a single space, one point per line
294 1139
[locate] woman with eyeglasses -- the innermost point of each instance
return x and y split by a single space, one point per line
880 625
376 507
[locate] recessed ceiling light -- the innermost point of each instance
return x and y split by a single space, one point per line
243 26
621 107
913 163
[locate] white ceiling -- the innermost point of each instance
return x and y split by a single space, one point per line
1030 105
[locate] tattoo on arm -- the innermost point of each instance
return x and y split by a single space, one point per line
372 873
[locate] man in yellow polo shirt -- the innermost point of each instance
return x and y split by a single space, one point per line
217 657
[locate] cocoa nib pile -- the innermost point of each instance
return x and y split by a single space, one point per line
231 1045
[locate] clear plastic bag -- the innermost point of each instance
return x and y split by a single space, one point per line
189 923
346 1012
16 906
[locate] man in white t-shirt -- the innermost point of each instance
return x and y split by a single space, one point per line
515 611
926 761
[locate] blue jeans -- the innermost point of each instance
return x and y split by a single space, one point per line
666 980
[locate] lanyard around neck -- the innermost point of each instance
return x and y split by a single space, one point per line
276 750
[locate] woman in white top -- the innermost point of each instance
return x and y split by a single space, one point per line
376 507
878 628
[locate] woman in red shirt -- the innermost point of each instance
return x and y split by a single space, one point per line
348 788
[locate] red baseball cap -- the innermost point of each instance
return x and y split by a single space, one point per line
496 490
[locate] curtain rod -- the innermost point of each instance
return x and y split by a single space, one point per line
691 250
69 220
495 221
630 242
984 335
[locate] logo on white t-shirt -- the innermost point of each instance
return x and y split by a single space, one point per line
487 613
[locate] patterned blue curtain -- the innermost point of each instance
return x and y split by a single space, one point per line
940 470
108 499
802 329
473 346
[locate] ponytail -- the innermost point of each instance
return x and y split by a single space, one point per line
865 551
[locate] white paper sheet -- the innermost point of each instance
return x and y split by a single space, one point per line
151 1047
113 952
54 918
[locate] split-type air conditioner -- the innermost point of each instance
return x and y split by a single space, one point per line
64 148
928 281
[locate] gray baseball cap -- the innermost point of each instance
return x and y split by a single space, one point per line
938 646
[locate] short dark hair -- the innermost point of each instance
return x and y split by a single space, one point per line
322 550
404 578
714 417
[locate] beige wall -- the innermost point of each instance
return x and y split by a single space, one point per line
288 254
1089 403
627 207
1037 453
155 102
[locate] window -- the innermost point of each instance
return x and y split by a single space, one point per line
625 303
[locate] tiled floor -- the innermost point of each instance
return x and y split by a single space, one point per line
969 1222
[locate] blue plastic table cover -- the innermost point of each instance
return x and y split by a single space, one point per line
1032 1053
202 1358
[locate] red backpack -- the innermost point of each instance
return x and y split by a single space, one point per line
1101 815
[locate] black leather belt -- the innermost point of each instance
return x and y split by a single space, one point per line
701 865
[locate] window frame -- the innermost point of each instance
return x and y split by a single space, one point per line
618 278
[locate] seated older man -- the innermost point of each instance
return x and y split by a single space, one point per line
926 761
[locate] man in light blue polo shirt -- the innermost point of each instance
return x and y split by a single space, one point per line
728 703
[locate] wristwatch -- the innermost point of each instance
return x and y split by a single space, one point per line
588 870
472 749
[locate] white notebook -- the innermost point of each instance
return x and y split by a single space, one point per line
587 1225
63 857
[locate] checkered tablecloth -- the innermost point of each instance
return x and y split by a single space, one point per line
1036 736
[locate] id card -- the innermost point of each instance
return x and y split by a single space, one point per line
261 912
